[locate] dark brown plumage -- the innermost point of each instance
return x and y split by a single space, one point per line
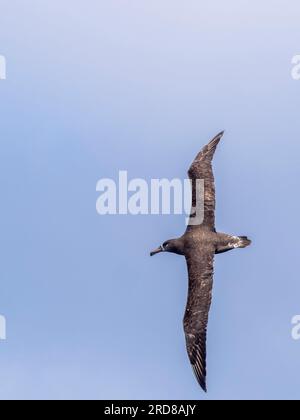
199 245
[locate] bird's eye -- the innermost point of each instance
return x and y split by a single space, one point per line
165 245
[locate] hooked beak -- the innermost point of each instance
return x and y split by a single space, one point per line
156 251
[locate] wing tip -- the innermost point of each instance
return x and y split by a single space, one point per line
221 134
217 138
200 379
203 386
210 149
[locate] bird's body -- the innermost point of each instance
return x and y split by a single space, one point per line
199 245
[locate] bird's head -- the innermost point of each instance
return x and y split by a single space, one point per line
172 245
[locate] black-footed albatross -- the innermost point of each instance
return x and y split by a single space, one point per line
199 245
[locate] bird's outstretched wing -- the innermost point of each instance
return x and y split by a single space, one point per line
200 268
201 169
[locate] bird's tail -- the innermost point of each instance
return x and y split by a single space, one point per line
243 242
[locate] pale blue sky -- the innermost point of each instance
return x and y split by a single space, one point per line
101 86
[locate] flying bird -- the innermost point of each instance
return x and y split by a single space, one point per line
199 245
